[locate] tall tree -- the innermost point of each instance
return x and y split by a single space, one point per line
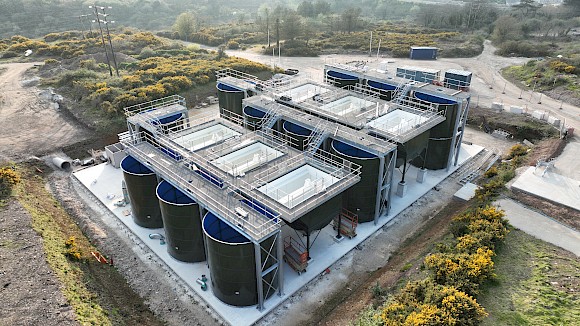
506 28
185 25
292 25
350 19
306 9
574 6
322 7
528 8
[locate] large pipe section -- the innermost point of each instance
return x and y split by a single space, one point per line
61 163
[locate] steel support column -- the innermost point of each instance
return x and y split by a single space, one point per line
379 197
259 282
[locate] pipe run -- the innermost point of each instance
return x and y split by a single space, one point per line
61 163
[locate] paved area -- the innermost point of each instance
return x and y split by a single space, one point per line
540 226
552 186
466 192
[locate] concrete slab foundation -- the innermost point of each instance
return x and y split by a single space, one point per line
551 186
104 183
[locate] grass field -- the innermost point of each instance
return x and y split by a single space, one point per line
537 284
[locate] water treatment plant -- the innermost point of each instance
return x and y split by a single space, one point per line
248 205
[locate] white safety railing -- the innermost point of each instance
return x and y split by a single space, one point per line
154 105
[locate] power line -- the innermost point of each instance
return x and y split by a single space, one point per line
102 37
110 43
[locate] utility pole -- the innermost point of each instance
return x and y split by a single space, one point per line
277 32
109 36
102 38
83 25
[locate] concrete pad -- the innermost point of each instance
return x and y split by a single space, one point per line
103 182
466 192
540 226
551 186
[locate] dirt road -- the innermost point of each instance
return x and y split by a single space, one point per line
28 125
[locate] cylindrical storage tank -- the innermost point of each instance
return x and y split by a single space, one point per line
298 133
230 98
340 79
319 217
232 263
441 136
182 224
141 184
253 117
385 90
362 197
169 122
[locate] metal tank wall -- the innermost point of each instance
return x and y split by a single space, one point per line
385 90
232 263
182 224
340 79
230 98
360 198
141 184
253 117
298 133
441 136
169 122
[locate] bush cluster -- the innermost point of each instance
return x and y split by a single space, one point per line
467 263
427 303
72 250
9 177
523 49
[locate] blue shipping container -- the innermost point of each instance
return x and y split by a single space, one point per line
423 53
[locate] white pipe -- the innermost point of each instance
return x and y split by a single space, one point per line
61 163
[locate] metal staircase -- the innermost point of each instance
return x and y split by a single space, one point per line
270 118
319 134
401 92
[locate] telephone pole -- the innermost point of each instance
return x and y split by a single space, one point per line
109 37
83 25
102 37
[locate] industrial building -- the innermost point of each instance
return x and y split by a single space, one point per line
242 197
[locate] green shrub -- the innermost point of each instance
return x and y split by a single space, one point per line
9 177
463 271
425 303
517 150
9 54
523 49
72 250
147 52
233 45
492 172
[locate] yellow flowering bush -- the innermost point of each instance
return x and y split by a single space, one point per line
425 303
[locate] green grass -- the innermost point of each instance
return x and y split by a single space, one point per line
537 284
50 221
